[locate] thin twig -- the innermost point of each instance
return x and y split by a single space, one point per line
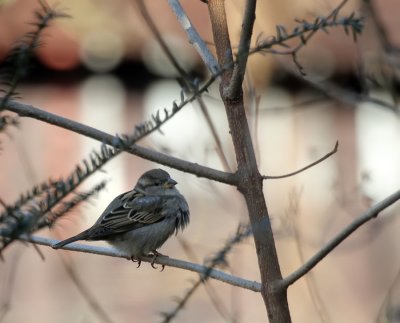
292 213
210 290
190 83
345 233
166 261
86 293
244 47
306 167
3 204
390 296
215 135
242 232
9 285
377 20
194 37
345 95
25 110
150 23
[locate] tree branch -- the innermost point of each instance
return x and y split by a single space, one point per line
86 293
190 84
166 261
153 28
305 33
25 110
250 182
346 232
222 42
194 38
244 47
335 149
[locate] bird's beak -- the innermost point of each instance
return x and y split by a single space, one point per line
170 183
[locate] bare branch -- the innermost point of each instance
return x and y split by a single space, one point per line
150 23
345 95
190 84
86 293
25 110
218 143
243 231
249 181
194 37
244 47
166 261
335 149
346 232
222 42
211 291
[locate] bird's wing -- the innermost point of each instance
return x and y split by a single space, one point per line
127 212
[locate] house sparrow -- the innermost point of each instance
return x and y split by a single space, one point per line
138 222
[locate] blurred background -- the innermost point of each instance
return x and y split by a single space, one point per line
103 67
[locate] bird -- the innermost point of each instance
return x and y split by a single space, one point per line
139 221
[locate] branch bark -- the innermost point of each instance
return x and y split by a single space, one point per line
346 232
198 43
25 110
166 261
250 181
335 149
244 47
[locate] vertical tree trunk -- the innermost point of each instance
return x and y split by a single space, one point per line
249 178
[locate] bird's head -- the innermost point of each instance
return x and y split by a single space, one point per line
155 180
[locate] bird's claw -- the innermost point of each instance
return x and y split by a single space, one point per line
155 255
138 260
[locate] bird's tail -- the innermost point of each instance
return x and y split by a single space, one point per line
81 236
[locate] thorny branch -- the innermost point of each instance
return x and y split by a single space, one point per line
306 30
17 62
242 232
25 110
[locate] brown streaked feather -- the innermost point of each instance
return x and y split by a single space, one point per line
154 206
128 211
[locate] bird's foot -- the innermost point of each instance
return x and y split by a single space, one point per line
155 255
138 260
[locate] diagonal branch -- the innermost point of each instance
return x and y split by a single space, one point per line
166 261
190 84
346 232
335 149
198 43
86 293
150 23
242 232
211 291
25 110
244 48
